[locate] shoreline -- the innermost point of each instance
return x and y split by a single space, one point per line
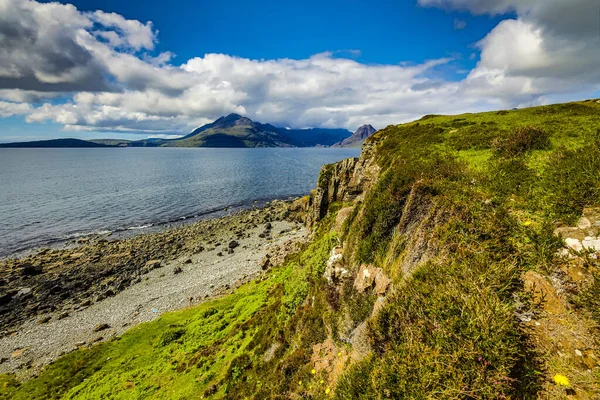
55 301
74 239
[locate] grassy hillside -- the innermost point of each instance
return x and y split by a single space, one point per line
461 219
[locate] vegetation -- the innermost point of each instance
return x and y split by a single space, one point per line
464 206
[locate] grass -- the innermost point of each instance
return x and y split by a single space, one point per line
470 202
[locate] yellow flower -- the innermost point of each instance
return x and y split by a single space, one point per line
562 380
339 354
527 223
327 391
313 371
300 383
321 381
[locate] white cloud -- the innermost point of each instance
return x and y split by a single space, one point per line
552 47
8 109
103 65
131 33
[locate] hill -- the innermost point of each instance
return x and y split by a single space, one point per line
457 258
60 143
237 131
233 131
358 137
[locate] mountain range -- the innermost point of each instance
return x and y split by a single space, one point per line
231 131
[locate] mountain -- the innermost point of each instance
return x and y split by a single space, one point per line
233 131
56 143
230 131
237 131
357 138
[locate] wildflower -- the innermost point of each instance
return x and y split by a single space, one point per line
300 383
327 391
527 223
562 380
321 381
313 371
339 353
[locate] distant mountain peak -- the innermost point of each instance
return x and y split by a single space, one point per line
357 137
364 131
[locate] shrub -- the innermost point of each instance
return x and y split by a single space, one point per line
572 181
170 335
520 141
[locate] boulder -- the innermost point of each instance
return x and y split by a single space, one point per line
153 264
543 292
101 327
233 244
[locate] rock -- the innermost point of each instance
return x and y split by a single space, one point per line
187 261
230 251
177 270
382 282
591 243
7 297
153 264
268 226
18 352
584 223
265 263
31 270
101 327
62 315
543 292
365 278
334 269
220 254
44 320
574 244
23 293
341 217
233 244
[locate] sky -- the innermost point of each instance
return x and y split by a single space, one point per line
137 69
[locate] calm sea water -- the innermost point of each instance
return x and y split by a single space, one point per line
51 195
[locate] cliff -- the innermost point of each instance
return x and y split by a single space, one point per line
456 258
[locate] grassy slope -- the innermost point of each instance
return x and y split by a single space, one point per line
448 331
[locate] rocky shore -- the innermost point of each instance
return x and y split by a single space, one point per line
54 301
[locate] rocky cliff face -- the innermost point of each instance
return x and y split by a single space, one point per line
344 181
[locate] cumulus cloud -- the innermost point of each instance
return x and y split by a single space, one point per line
8 109
552 46
102 67
40 48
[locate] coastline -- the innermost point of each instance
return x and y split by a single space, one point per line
57 300
72 240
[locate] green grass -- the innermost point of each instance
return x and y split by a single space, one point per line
183 354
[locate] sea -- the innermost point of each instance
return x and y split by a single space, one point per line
49 197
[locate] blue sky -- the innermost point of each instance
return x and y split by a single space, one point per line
385 32
135 69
